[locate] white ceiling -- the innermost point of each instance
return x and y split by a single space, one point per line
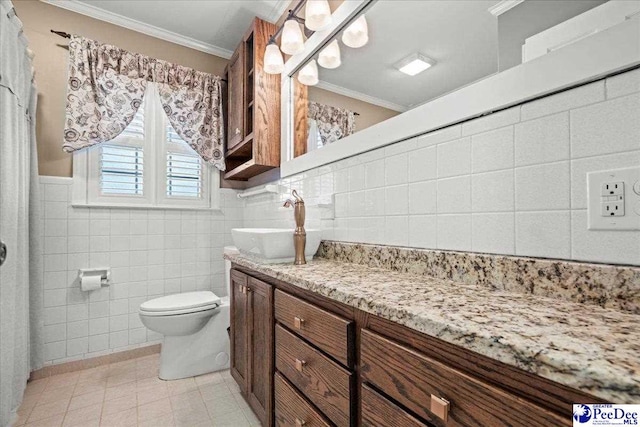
461 35
215 26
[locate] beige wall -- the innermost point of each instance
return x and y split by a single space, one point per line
369 114
51 59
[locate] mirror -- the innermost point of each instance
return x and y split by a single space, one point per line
343 89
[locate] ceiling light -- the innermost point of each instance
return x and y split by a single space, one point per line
317 15
356 34
292 40
415 64
273 62
309 74
330 56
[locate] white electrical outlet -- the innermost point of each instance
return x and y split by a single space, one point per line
613 189
614 199
613 209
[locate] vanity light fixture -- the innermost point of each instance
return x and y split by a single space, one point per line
415 64
308 75
273 61
357 34
329 57
317 15
292 40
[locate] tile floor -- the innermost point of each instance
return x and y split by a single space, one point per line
129 393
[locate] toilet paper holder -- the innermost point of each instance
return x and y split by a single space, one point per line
104 273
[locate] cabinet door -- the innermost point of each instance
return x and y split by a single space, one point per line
235 85
239 331
260 349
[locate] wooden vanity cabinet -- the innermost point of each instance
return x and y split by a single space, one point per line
333 364
293 410
253 117
239 330
439 393
252 342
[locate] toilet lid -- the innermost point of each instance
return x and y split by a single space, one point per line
183 301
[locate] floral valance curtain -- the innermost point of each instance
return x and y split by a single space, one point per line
106 87
332 123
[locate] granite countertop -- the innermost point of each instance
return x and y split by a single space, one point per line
593 349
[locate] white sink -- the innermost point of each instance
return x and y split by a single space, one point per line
273 245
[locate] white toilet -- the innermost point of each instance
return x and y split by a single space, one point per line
194 325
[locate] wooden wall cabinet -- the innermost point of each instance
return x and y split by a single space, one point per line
252 342
253 113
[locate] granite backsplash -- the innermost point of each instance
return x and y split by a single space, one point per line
607 286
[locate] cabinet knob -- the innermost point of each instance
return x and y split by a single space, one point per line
298 322
440 407
300 423
300 365
237 131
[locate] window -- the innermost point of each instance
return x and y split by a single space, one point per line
184 168
122 170
148 165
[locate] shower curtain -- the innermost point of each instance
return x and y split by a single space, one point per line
20 274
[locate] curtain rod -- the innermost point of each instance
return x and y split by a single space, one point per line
68 36
62 34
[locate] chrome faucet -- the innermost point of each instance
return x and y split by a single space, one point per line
299 235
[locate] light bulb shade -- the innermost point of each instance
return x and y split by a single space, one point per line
317 15
273 62
357 34
309 74
292 41
330 56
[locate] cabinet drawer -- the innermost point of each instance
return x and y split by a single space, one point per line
417 381
377 411
329 332
325 383
292 410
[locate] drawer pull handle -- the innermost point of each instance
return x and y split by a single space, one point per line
440 407
237 131
300 365
300 423
243 289
298 322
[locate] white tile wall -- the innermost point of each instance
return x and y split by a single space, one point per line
454 158
151 253
564 101
542 140
492 150
513 182
607 127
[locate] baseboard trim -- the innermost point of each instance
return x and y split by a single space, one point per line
78 365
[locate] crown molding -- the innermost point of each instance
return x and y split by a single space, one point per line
280 8
361 96
503 6
141 27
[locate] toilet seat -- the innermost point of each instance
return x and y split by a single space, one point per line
183 303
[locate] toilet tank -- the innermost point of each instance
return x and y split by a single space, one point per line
231 250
